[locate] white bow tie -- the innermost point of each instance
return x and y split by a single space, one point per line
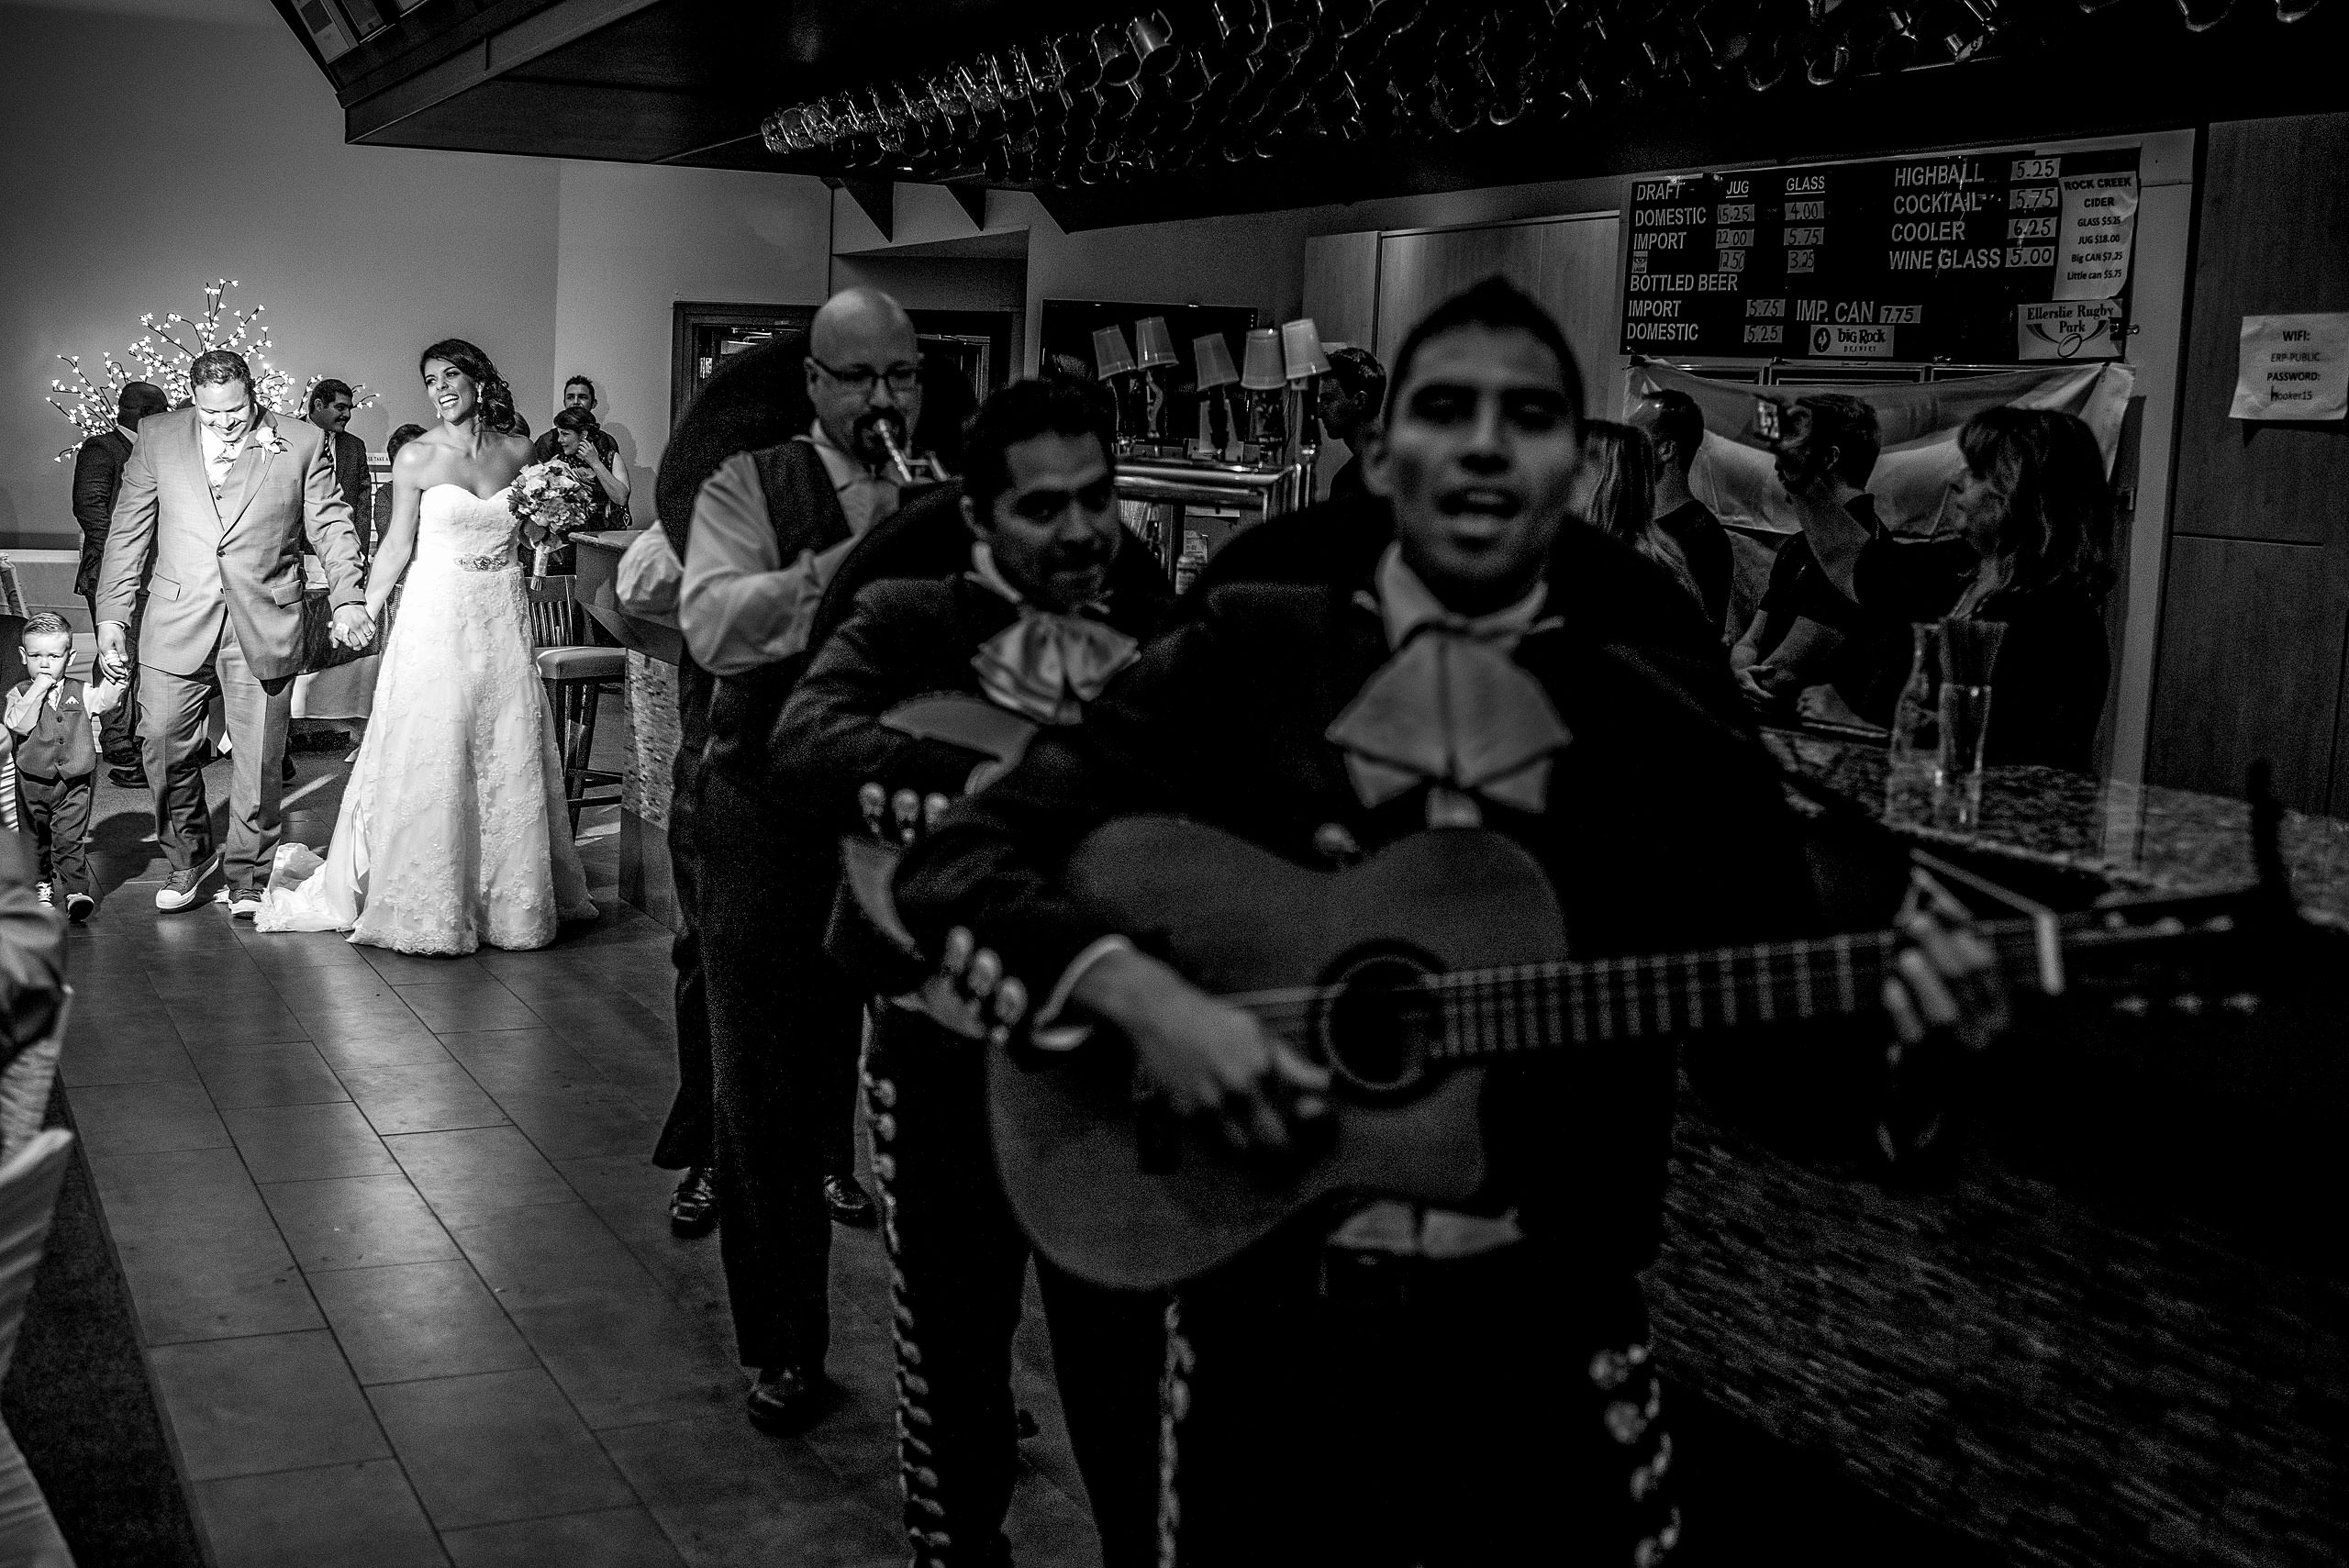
1047 664
1453 709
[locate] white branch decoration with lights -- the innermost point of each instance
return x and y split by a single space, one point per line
163 353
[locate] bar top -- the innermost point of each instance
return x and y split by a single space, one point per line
2141 839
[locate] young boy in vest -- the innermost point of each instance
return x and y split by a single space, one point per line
48 719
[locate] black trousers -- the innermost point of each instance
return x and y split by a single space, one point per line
56 812
960 1265
685 1137
119 728
785 1028
1324 1405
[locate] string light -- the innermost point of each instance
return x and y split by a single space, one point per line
163 352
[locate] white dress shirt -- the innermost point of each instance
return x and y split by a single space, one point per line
741 607
650 575
219 455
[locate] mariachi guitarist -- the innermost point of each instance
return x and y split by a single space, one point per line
1389 1384
1051 599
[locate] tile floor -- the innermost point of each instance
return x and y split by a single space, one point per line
403 1270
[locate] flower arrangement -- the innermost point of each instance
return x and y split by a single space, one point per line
550 500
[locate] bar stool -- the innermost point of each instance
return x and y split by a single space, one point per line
574 672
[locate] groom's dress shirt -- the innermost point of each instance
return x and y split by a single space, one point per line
219 455
742 605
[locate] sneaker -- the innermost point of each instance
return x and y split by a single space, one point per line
183 889
41 889
80 907
244 903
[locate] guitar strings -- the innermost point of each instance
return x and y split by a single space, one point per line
1628 982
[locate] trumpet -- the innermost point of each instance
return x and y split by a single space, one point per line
888 430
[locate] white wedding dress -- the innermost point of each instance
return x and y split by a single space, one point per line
454 831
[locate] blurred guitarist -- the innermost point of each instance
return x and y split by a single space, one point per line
1051 601
1388 1383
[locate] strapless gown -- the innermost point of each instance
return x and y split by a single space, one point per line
454 831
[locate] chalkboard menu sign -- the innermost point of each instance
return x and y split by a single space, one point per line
1970 258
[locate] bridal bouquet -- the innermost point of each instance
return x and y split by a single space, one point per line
550 500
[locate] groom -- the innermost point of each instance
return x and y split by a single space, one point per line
224 493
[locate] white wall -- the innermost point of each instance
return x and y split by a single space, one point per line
634 240
149 155
152 146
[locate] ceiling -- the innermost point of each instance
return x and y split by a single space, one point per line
1248 105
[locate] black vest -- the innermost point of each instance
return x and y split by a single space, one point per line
59 747
804 512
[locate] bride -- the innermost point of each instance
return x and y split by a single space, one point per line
454 831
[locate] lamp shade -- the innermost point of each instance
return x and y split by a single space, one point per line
1110 355
1301 349
1153 345
1213 356
1263 371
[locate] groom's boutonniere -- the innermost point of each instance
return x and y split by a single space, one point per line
266 438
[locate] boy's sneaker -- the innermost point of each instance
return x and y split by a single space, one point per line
41 890
79 907
182 889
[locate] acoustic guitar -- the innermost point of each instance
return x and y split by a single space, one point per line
1404 975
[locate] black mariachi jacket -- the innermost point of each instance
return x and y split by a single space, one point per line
902 640
1666 828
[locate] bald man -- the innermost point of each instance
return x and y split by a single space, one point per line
769 530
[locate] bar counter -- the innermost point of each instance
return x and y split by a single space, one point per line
2114 1328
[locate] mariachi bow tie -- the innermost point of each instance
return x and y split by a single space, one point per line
1046 664
1453 709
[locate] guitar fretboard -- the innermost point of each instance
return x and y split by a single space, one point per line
1541 1007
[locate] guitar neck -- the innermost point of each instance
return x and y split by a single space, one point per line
1507 1012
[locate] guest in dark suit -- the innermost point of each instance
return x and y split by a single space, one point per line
97 474
1043 609
330 406
1352 396
1385 1383
1676 427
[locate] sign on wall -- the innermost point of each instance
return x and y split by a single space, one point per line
2293 367
1972 257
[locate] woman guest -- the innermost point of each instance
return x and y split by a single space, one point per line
578 441
2032 549
1619 498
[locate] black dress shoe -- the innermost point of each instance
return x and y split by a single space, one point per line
693 1207
285 770
131 777
848 1202
786 1400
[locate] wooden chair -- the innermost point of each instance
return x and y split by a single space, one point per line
574 672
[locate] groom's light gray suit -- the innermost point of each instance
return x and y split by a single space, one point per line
224 612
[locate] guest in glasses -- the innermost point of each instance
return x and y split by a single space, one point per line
769 528
2033 549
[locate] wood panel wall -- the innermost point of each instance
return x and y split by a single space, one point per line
1567 263
2256 611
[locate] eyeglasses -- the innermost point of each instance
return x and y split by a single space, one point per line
860 378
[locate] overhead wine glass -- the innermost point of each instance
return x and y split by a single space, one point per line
1079 61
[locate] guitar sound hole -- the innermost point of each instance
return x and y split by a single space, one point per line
1372 1032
